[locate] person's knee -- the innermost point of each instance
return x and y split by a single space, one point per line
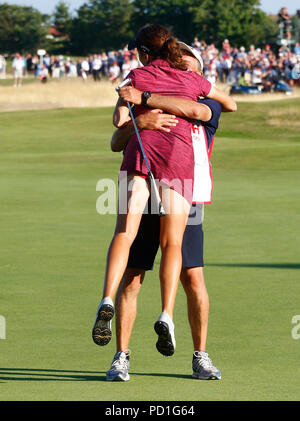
127 237
193 280
170 244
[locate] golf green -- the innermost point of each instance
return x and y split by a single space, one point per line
53 251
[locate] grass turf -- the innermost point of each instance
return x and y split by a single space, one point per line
53 250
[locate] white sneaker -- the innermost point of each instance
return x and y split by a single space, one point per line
102 327
203 367
118 371
164 327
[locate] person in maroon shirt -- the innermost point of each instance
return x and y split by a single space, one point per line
171 158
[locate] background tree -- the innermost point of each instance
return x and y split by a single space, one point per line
241 21
22 29
101 25
61 20
176 15
62 17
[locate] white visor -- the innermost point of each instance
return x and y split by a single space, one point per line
192 50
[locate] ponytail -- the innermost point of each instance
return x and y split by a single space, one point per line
171 52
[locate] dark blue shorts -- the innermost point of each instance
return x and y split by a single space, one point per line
145 246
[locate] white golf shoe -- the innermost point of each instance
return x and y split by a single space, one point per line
203 368
118 371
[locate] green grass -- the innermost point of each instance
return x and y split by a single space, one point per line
53 249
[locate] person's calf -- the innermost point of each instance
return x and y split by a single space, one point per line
126 306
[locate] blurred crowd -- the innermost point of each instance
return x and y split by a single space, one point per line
230 64
114 65
254 66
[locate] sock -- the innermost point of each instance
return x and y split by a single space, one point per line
164 317
106 300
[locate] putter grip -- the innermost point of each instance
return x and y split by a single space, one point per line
124 83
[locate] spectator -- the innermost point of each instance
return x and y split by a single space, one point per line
111 58
85 68
72 68
257 75
78 67
196 44
126 67
18 69
55 68
47 61
67 66
247 77
297 49
114 73
133 62
2 67
44 74
252 52
29 66
242 54
126 53
285 21
284 49
104 68
61 65
120 59
226 49
296 25
269 78
97 64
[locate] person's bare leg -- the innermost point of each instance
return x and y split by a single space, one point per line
117 258
125 233
172 228
126 306
193 282
198 308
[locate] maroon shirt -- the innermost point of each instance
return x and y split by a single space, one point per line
170 155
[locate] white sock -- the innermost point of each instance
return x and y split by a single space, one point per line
164 317
106 300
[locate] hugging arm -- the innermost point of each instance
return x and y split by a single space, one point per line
121 113
178 106
152 120
228 103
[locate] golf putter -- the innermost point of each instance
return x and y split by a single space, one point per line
154 188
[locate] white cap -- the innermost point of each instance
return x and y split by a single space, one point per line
192 50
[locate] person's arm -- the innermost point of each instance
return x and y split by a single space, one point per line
153 120
228 103
178 106
121 114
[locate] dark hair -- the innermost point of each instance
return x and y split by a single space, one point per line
157 41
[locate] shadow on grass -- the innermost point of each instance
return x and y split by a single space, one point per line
34 374
257 265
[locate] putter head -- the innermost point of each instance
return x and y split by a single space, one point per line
161 210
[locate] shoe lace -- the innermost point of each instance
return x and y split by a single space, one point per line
120 362
203 360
